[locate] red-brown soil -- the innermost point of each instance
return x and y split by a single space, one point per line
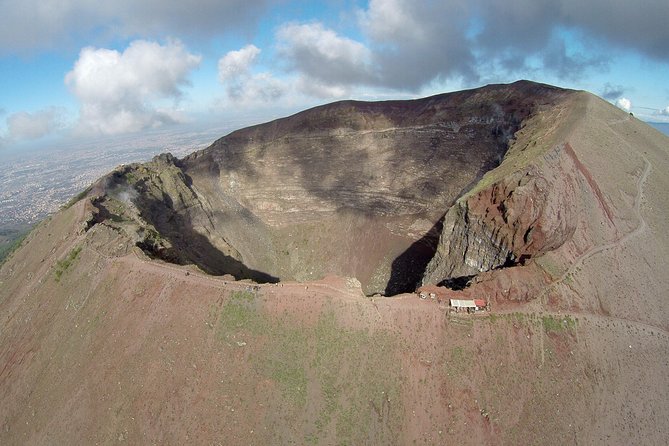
100 344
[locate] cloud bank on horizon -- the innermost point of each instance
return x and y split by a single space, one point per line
144 64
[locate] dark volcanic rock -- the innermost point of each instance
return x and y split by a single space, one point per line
99 344
524 215
351 188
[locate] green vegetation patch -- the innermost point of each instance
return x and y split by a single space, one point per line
282 358
554 325
240 316
74 200
459 362
241 320
515 317
359 380
286 362
132 177
64 264
334 381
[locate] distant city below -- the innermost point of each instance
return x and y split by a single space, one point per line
37 183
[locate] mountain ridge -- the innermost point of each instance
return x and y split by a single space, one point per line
103 342
390 168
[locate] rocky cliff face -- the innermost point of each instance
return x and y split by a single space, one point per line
351 188
525 215
566 238
395 194
156 205
541 210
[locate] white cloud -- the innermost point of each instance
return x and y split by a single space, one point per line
409 48
392 20
323 57
624 104
556 59
121 92
321 90
237 64
263 87
659 116
412 44
25 126
405 45
235 71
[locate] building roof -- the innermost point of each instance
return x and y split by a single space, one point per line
468 303
461 303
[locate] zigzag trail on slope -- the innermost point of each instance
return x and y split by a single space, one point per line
641 227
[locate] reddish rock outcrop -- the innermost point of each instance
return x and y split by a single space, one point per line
351 188
523 216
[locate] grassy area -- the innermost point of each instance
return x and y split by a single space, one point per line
458 363
516 316
239 316
132 177
64 264
553 325
342 375
77 198
550 324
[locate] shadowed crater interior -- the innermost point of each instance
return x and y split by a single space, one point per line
350 188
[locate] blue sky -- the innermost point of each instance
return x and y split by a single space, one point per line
72 69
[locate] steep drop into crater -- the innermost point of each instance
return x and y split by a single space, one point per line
566 240
351 188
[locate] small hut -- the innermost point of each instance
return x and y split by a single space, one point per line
468 305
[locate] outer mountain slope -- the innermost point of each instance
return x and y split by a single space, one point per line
99 343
